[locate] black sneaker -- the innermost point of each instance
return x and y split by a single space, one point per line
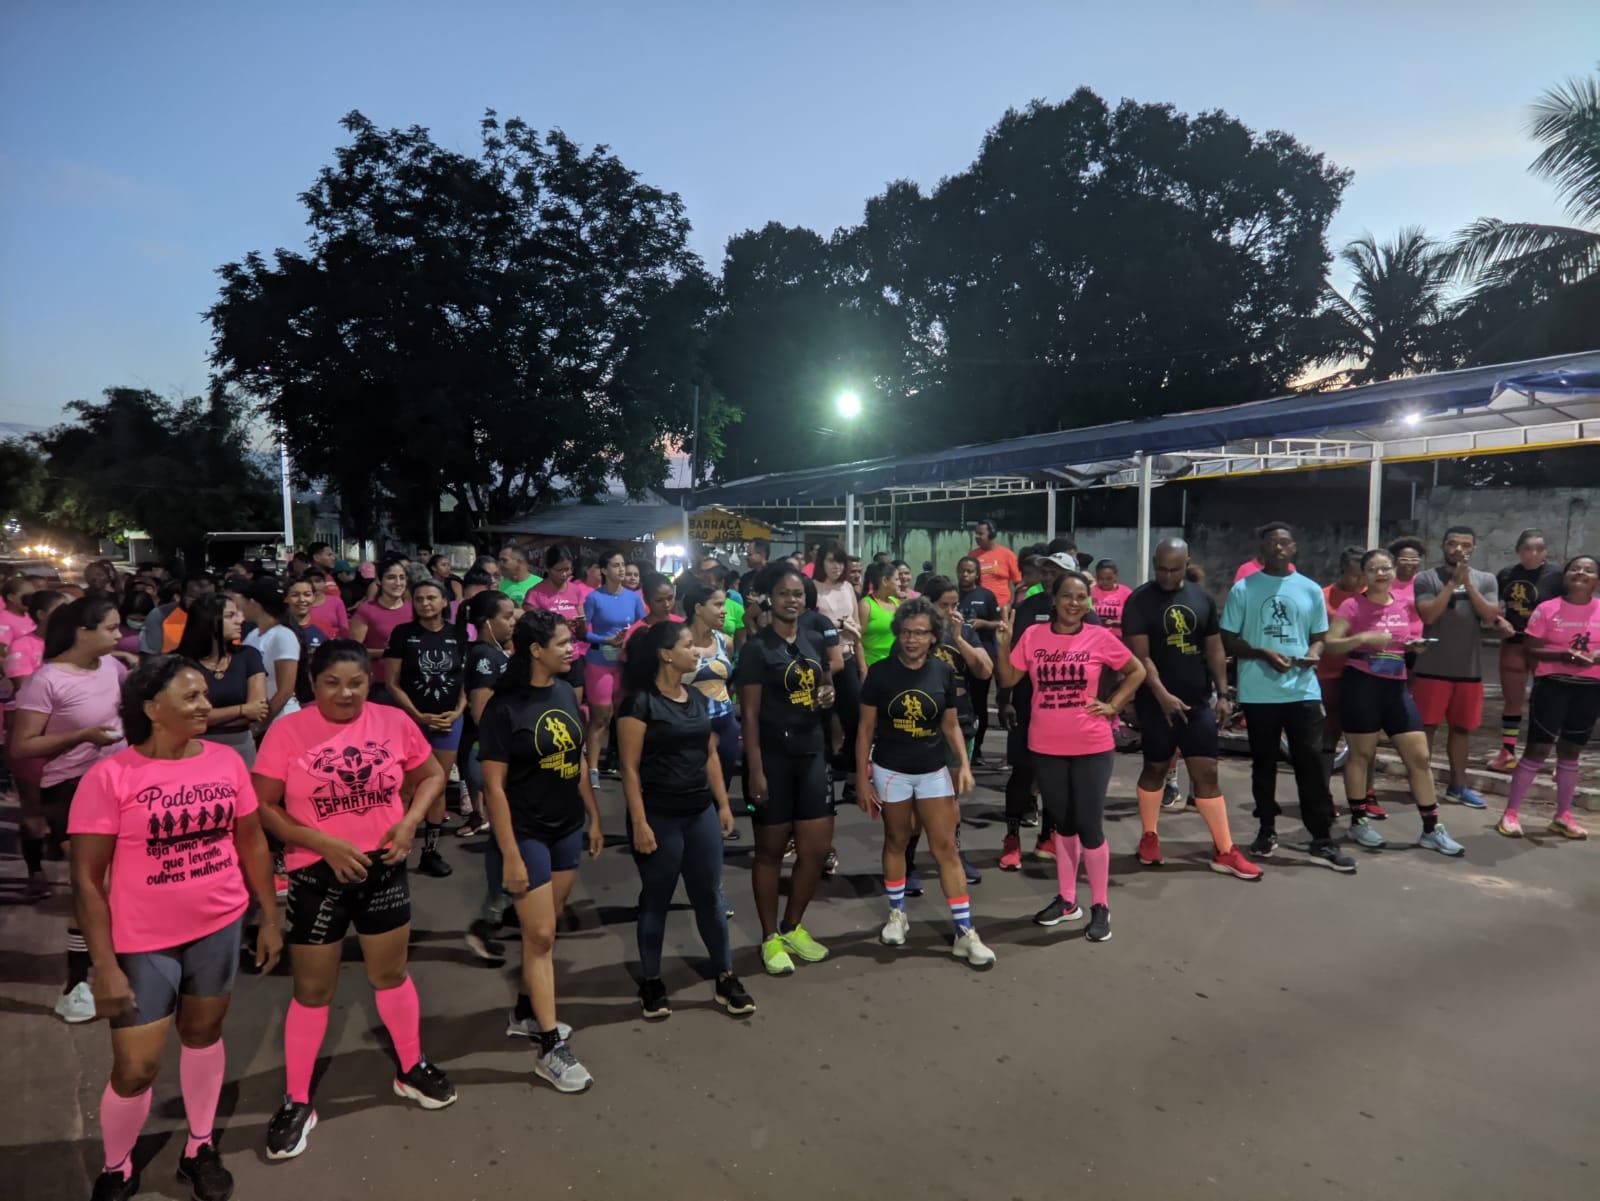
432 864
1327 853
289 1129
426 1085
480 937
830 865
973 875
1056 912
528 1027
207 1179
913 882
1264 846
1099 924
113 1186
1030 820
1171 796
653 1001
730 994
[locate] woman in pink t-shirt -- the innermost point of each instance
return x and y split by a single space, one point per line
165 839
1376 630
1070 737
562 594
1109 596
23 657
1563 638
345 784
375 620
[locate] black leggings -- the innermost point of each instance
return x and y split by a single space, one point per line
979 690
847 704
1073 788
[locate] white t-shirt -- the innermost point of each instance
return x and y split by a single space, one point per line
276 644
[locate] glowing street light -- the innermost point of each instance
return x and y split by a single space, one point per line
848 404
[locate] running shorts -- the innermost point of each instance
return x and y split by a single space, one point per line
56 801
544 858
797 789
1456 702
202 968
322 908
449 741
1563 710
602 683
1369 704
1194 735
897 786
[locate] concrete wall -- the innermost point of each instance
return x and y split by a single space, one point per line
1569 517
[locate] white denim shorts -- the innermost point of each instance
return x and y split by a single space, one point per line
896 786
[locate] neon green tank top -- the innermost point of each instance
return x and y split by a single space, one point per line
878 637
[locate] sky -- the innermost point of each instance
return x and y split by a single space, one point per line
142 145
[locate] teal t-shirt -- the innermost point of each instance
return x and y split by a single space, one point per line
1276 613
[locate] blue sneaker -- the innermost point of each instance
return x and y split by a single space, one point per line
1364 834
1467 797
1438 839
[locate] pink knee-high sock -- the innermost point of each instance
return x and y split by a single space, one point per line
1097 866
1566 785
200 1072
121 1119
303 1031
1522 780
402 1017
1067 850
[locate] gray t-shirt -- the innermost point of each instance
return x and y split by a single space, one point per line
1459 631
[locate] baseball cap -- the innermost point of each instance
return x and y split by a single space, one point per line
1063 560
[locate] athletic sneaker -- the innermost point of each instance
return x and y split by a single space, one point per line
1564 825
76 1005
1044 848
560 1068
1510 825
481 939
528 1028
730 994
1465 796
1505 760
775 958
1150 850
1438 839
1326 852
1171 795
1056 912
653 1001
114 1186
1265 845
913 882
594 777
973 875
432 864
1030 819
1099 924
289 1129
1364 834
208 1180
475 823
1011 854
970 947
1232 862
830 865
427 1085
799 942
36 889
895 929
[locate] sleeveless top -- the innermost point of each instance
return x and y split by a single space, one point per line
878 637
712 674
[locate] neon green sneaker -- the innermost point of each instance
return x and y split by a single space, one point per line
775 958
799 942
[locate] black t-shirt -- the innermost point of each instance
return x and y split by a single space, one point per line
821 628
432 664
980 603
789 674
1177 625
486 663
677 741
950 656
1522 591
911 706
538 734
232 687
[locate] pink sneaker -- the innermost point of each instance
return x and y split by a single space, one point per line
1232 862
1150 850
1564 825
1510 825
1011 854
1505 760
1044 848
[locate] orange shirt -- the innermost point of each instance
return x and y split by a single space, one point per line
1329 667
998 571
172 630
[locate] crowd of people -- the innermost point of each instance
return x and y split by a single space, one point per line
209 750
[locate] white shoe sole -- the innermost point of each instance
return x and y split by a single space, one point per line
1222 870
299 1147
980 963
402 1089
74 1018
561 1088
742 1011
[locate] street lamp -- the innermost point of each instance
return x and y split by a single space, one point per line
848 404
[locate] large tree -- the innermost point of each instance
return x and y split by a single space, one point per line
1390 323
476 326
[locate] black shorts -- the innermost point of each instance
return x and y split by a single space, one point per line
205 967
56 802
1193 735
1562 710
797 789
1369 704
322 909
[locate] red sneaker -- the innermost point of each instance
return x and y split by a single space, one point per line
1011 854
1150 850
1233 862
1044 848
1373 810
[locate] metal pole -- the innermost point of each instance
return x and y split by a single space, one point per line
288 496
1146 468
694 462
850 523
1374 493
1072 527
1049 512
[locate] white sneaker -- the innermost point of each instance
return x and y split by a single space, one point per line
77 1005
970 947
895 929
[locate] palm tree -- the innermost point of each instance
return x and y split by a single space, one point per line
1389 323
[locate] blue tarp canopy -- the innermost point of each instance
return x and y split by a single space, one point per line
1298 415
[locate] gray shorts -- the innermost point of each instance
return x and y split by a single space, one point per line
202 968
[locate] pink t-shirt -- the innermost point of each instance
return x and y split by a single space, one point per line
75 700
1561 624
1398 617
342 778
566 602
13 625
1249 567
381 623
1108 605
1066 671
25 656
329 616
1405 590
175 874
642 625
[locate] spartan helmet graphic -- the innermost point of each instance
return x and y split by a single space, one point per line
560 736
353 766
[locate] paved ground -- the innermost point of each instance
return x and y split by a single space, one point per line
1422 1030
